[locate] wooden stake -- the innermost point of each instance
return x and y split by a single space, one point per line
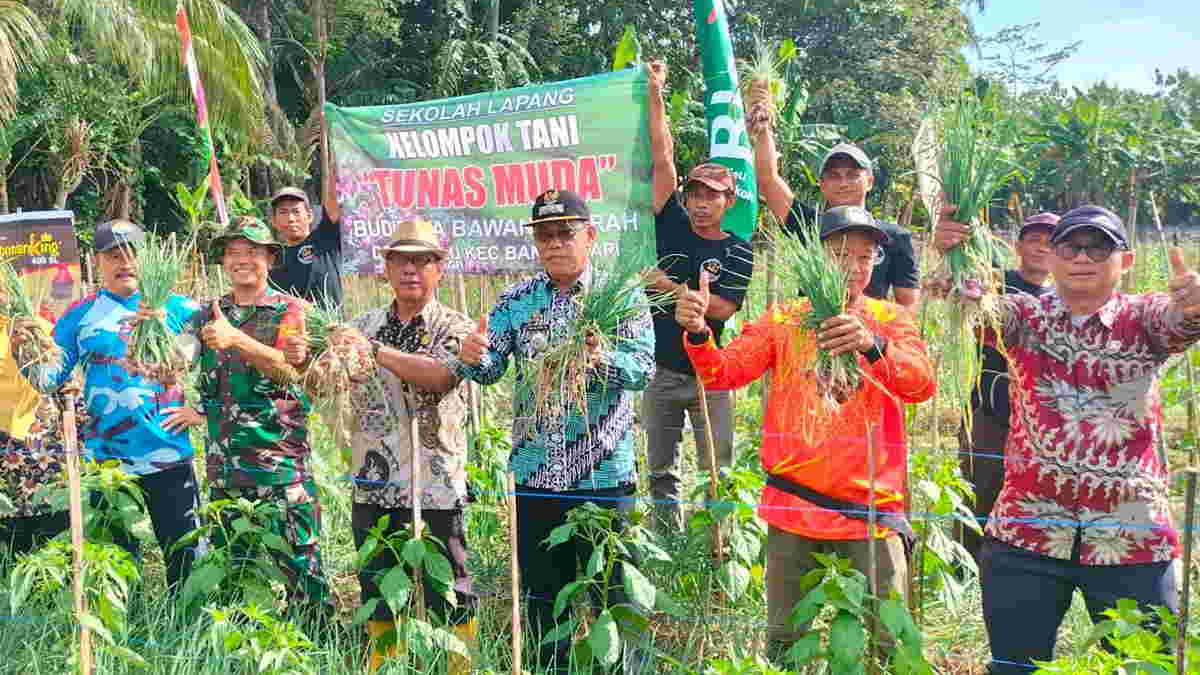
872 563
515 574
718 546
71 447
460 287
415 495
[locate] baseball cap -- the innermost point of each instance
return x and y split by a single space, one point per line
118 232
289 193
848 150
415 236
555 205
847 218
249 228
1045 220
1092 216
715 176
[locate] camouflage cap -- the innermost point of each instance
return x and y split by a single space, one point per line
715 176
249 228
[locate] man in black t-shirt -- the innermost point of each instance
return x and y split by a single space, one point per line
690 241
982 454
312 258
846 177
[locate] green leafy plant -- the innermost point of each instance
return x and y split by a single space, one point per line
738 490
1139 642
154 351
628 50
44 577
260 640
766 69
615 540
839 593
240 560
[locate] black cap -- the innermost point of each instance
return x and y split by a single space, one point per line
553 205
1044 220
1096 217
847 218
118 232
850 150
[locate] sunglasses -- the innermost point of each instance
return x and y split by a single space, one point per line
417 261
1097 253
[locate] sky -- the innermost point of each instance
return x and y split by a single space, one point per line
1123 40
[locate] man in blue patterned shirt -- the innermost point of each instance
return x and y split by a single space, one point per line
132 418
561 460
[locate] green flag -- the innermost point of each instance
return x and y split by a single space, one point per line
728 142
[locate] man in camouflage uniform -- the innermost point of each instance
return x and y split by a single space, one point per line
257 413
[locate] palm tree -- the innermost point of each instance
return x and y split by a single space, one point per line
22 43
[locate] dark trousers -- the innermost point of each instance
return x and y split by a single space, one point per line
981 459
171 500
545 571
26 533
446 526
1026 595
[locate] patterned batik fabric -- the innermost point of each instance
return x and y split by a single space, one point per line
1081 457
36 461
257 428
811 441
380 440
568 451
298 521
125 410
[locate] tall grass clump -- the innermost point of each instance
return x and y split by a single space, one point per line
806 263
154 352
21 300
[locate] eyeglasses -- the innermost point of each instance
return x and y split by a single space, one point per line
1098 253
417 261
845 257
565 235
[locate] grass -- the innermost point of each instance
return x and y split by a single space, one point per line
37 641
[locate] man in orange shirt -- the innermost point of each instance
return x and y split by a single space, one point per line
818 455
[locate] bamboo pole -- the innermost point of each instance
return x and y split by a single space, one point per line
1131 220
515 574
460 287
718 545
71 447
415 495
872 562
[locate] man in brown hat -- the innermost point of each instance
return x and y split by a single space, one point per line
412 340
690 239
310 262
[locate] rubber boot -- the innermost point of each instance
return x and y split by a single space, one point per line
457 664
376 630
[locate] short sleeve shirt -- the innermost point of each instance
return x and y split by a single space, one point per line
898 269
312 269
682 254
381 442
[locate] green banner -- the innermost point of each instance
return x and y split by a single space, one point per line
728 142
474 164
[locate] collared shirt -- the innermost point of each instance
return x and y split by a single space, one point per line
257 428
1081 460
125 409
813 441
566 451
380 440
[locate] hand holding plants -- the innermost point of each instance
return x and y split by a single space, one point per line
949 233
844 334
691 306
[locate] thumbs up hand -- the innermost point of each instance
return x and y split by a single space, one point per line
1184 286
691 306
476 344
218 333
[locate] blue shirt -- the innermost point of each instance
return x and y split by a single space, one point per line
125 409
563 452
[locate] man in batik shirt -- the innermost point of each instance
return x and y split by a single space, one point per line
413 340
1085 502
257 415
563 460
